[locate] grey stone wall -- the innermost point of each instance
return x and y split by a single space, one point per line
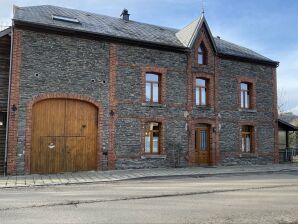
231 116
68 64
61 64
131 110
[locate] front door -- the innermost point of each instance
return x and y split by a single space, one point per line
64 136
203 144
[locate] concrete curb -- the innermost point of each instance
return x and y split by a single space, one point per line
154 177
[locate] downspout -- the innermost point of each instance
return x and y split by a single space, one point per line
8 101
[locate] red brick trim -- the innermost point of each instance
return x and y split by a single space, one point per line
160 71
160 120
210 87
275 117
113 63
74 96
254 137
14 102
192 154
208 47
253 96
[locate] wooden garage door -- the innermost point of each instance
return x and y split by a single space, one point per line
64 136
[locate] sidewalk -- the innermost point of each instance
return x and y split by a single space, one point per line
118 175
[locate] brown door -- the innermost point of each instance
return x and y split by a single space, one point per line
64 136
203 144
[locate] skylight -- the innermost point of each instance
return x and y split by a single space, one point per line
65 19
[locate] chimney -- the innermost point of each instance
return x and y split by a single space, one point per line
125 15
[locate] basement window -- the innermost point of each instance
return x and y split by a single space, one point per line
65 19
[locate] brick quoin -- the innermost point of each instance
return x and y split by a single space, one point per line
14 102
73 96
113 62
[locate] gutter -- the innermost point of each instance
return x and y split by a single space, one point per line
8 102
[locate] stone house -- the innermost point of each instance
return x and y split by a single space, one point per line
93 92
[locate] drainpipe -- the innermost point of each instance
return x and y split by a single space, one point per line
8 101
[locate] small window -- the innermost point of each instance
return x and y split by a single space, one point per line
201 92
245 95
152 140
65 19
246 139
202 55
152 88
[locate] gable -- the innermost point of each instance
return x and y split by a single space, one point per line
189 34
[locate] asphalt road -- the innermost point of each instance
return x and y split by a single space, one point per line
271 198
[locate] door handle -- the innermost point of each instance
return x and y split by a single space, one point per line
51 146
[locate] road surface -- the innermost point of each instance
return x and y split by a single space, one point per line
271 198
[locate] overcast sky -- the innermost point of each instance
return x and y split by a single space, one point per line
266 26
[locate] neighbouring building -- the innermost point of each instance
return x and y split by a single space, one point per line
93 92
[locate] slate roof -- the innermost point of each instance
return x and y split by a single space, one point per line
131 30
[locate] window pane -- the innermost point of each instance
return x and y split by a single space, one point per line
148 91
244 86
147 144
248 143
203 140
242 99
246 100
155 145
243 143
201 82
155 92
197 96
152 77
200 50
203 96
200 59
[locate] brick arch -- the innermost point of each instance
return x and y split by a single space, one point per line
42 97
213 136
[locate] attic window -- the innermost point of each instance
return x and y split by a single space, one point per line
65 19
202 55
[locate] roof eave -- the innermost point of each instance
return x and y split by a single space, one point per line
69 30
288 125
5 32
245 59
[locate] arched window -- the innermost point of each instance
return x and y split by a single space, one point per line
202 55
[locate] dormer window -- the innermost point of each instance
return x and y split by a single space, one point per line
202 55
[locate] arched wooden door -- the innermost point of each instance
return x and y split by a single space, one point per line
64 136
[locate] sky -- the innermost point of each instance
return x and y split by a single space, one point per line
268 27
